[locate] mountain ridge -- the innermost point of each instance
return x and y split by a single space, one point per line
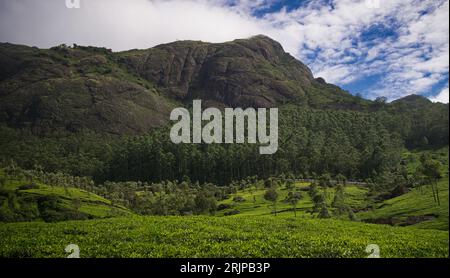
130 92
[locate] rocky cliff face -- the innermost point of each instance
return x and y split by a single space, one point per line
253 72
74 89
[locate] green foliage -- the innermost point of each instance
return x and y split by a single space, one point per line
416 208
430 169
339 200
324 213
293 198
272 196
218 237
205 204
59 200
322 142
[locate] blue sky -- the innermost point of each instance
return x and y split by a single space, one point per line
389 48
376 74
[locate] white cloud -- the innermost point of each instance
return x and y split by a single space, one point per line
123 24
412 61
336 73
441 97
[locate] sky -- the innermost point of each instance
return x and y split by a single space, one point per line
375 48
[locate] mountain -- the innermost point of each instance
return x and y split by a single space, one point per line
254 72
61 109
75 88
89 88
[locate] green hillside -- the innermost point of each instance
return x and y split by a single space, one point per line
22 200
415 206
254 232
252 202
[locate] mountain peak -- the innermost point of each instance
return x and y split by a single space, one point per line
264 39
263 45
254 72
413 100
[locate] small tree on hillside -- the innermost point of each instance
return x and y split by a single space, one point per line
341 179
290 183
318 199
293 198
352 215
325 180
324 213
431 171
76 202
272 196
313 190
339 200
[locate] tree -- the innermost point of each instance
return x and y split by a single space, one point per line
272 196
339 200
424 141
313 190
204 203
431 171
293 198
268 183
352 215
341 179
325 180
324 213
289 183
380 102
318 199
76 205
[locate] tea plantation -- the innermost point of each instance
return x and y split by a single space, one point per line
227 237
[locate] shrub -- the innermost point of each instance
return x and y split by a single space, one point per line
28 186
232 212
239 199
224 206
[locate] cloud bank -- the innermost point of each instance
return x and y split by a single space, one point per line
376 48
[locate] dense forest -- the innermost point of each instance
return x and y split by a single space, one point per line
358 145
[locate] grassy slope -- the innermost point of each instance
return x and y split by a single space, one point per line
252 233
355 197
207 236
91 204
418 202
415 203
